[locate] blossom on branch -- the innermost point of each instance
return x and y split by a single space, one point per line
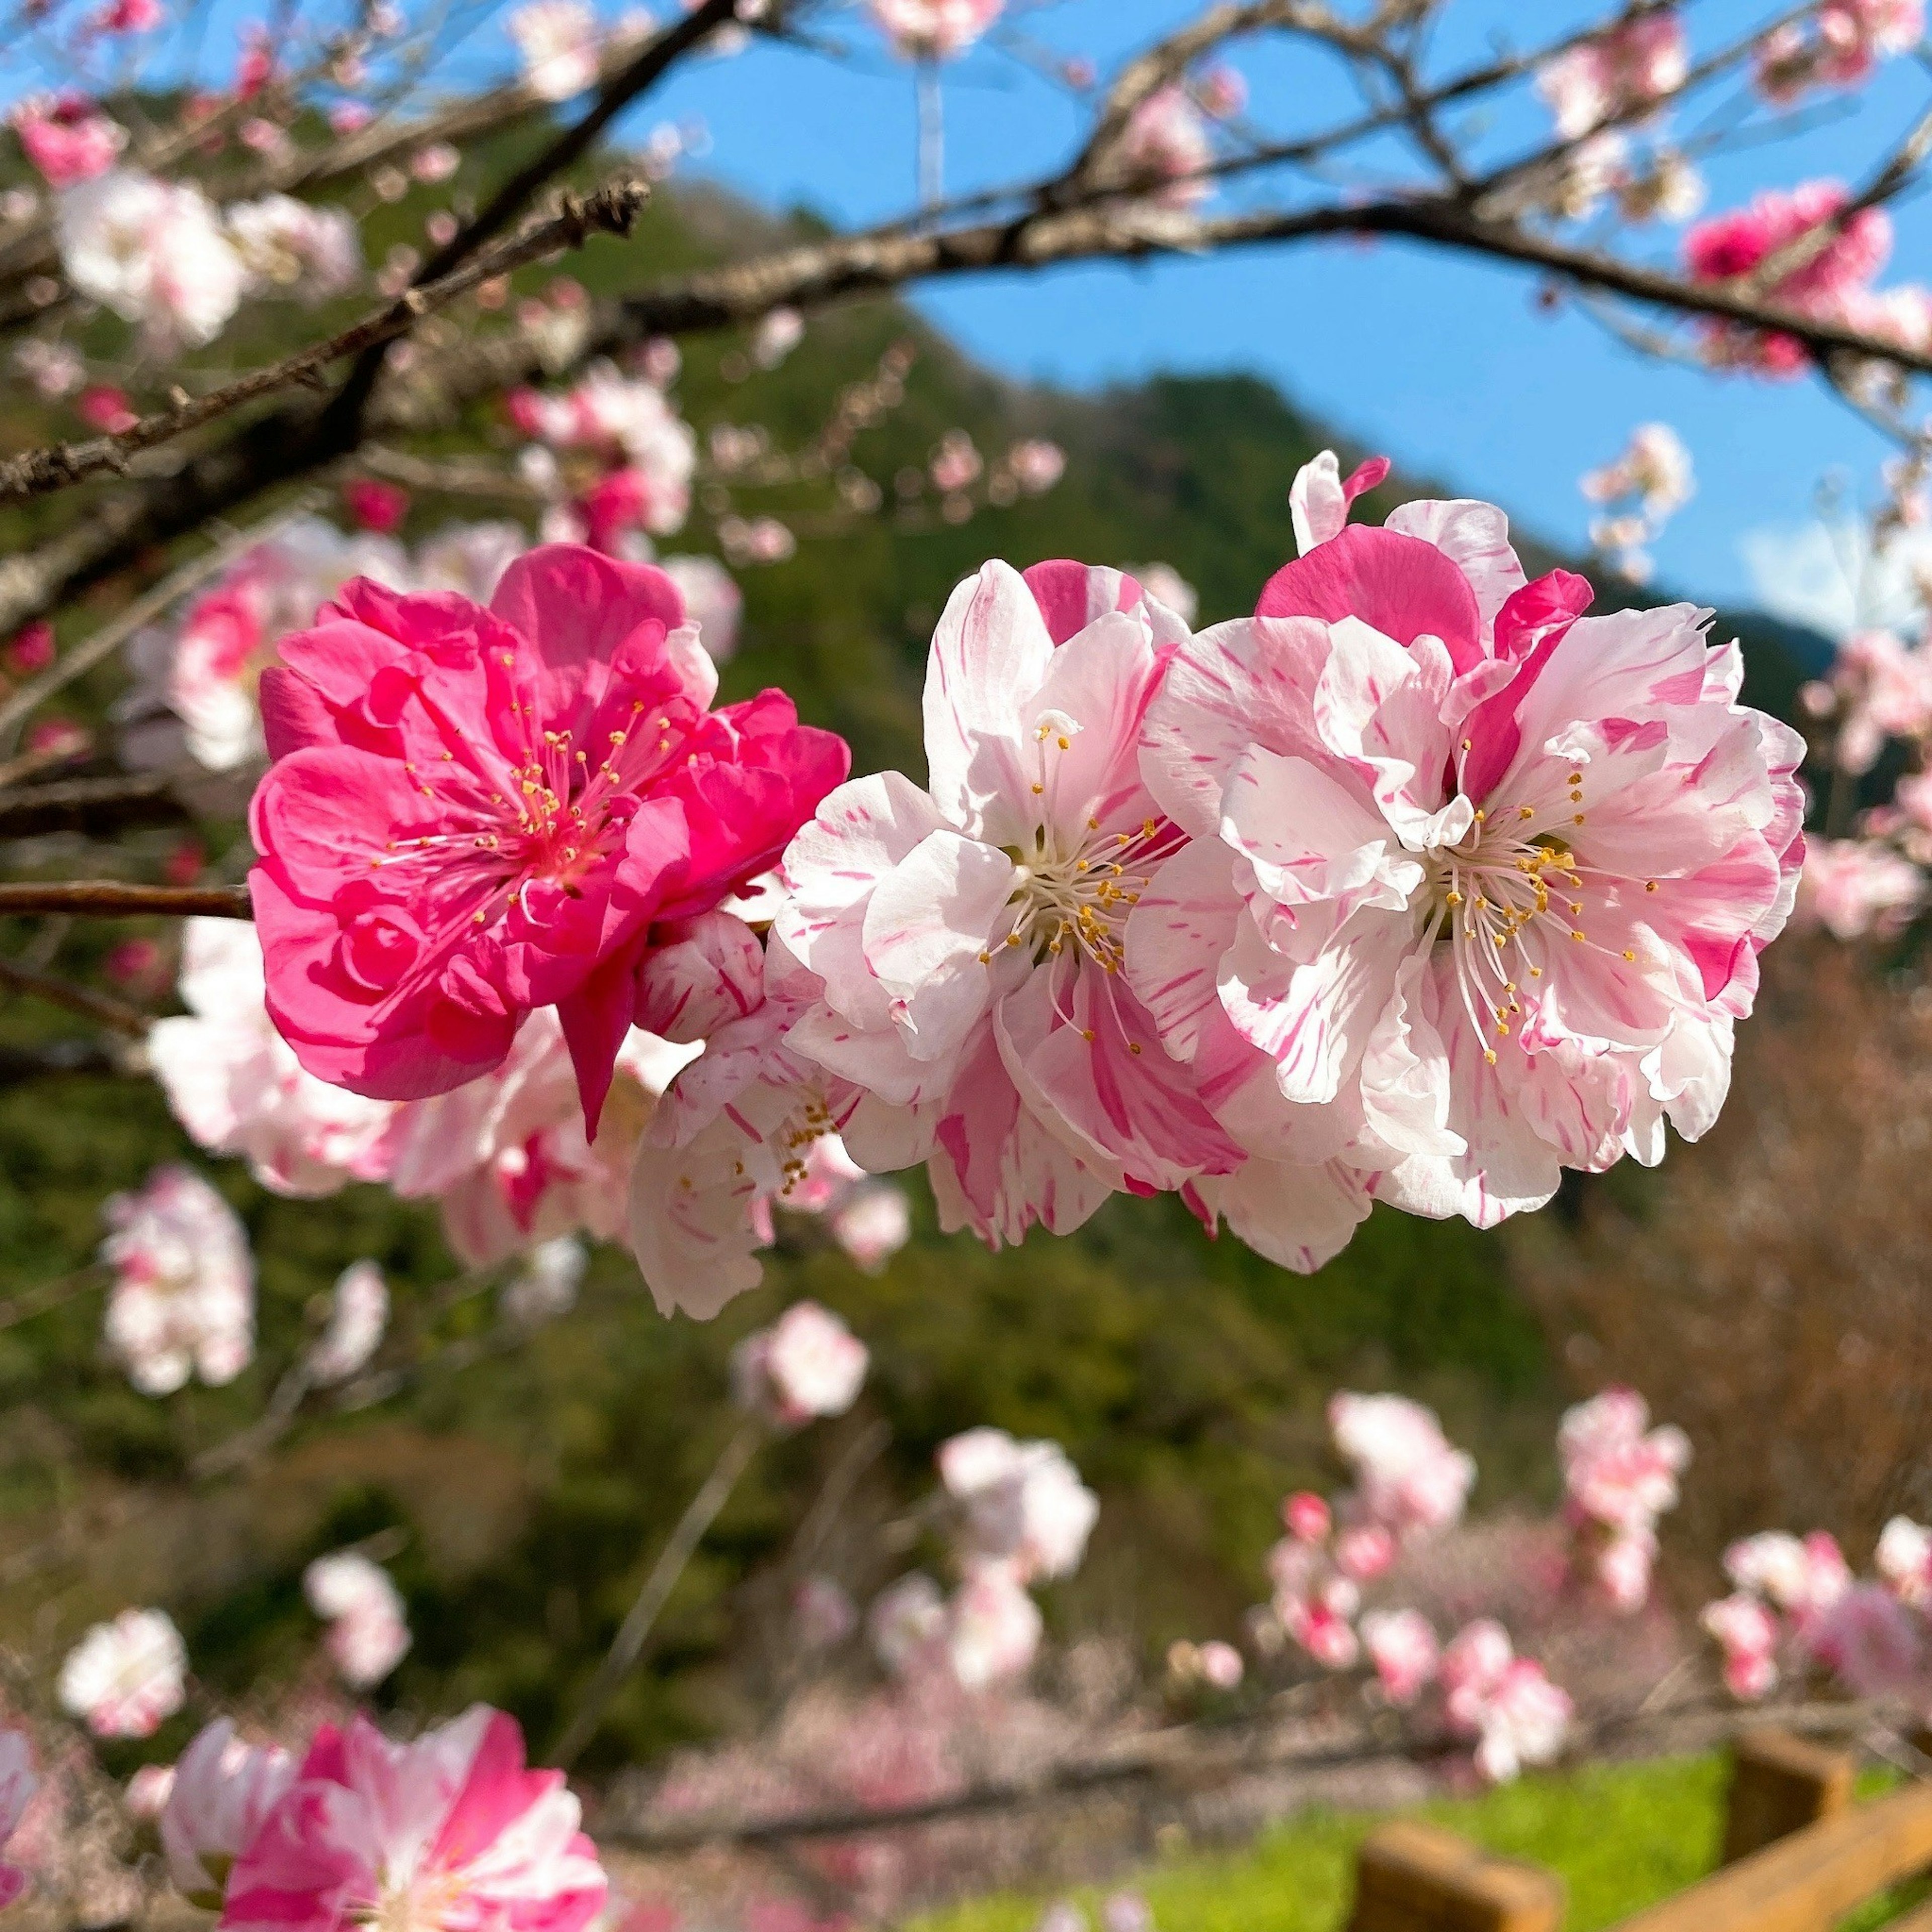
221 1790
183 1301
474 813
1619 1476
155 252
1477 883
124 1677
934 30
1616 74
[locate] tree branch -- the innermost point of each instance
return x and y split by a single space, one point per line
612 210
113 898
101 1008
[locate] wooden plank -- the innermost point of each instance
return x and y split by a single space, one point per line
1780 1784
1412 1877
1803 1883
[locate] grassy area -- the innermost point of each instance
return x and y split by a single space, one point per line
1623 1836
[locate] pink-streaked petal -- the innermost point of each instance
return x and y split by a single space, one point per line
1402 587
1072 595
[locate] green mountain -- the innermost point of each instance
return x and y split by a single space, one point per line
524 1492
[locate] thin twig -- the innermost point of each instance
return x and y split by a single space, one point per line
699 1513
102 1008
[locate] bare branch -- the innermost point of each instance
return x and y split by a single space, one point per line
101 1008
91 806
612 210
114 898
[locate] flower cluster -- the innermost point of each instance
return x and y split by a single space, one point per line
183 1301
1613 75
1651 480
1504 1702
124 1677
1840 45
368 1628
1619 1476
1020 1516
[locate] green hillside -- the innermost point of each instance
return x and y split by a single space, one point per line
1187 1379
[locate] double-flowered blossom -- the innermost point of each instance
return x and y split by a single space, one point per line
449 1832
474 813
183 1301
806 1365
153 251
124 1677
968 940
1023 1502
1477 883
1409 1477
18 1783
1505 1702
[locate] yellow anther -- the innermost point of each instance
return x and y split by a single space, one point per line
1489 1054
1630 956
1525 811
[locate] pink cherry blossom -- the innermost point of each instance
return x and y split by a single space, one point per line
1402 1644
1615 73
449 1831
147 1792
1313 1604
1506 1702
124 1677
368 1628
1824 287
1166 147
808 1364
67 138
221 1791
1364 1551
993 1627
1036 465
1619 1476
1883 689
1904 1561
1624 1562
906 1622
292 248
155 252
18 1783
506 1156
1222 1665
1306 1516
1654 466
439 855
238 1089
1855 888
956 464
1477 884
1024 1503
1749 1635
1409 1477
358 1312
1800 1577
183 1301
872 1221
931 30
1870 1642
558 41
954 972
1847 40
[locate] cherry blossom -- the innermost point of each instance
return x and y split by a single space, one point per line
18 1783
368 1628
1870 1642
906 1622
358 1314
1313 1603
934 30
506 1156
1478 883
1882 689
558 41
954 973
1165 146
439 855
808 1364
546 1285
124 1677
1854 888
1402 1644
1800 1577
67 137
1036 465
1504 1702
1613 74
183 1301
1904 1561
147 1792
449 1831
1655 466
221 1790
1824 287
1847 40
1749 1635
1024 1503
993 1627
871 1223
238 1089
291 248
155 252
1619 1476
1409 1477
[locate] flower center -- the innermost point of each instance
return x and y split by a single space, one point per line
424 1904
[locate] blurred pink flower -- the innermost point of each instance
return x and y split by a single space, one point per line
1409 1477
106 408
993 1627
221 1791
358 1314
183 1301
124 1677
1904 1561
1614 74
368 1630
450 1830
558 40
67 137
1403 1646
1024 1503
806 1365
1857 888
1749 1636
376 506
18 1784
934 29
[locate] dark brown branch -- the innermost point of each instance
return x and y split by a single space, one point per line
56 1060
102 1008
113 898
91 806
612 210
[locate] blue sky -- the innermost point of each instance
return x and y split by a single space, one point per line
1443 362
